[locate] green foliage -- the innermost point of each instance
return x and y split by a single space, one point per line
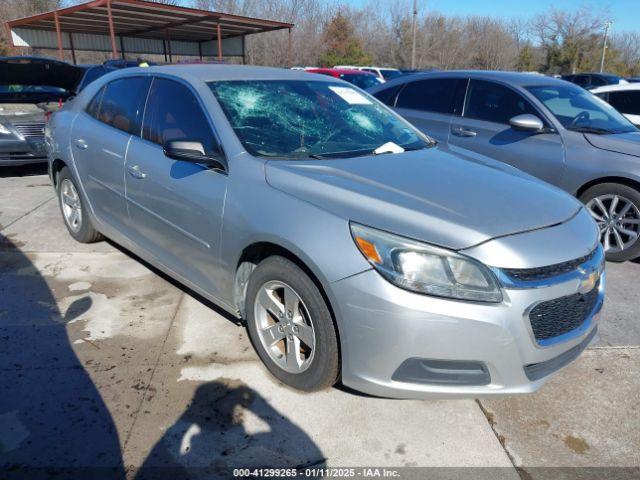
342 45
526 62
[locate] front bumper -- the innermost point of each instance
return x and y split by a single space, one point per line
382 326
22 152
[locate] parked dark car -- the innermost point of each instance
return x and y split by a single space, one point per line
594 80
633 79
30 89
90 74
547 127
93 72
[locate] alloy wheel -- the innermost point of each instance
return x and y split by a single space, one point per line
71 206
284 326
618 219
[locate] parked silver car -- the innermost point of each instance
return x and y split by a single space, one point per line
547 127
353 247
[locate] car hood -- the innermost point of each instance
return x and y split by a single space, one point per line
627 143
39 71
431 195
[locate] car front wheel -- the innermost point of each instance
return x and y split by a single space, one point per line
290 325
616 210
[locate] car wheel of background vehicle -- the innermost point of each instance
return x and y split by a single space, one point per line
75 215
616 209
290 326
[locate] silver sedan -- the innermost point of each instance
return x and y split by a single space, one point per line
352 246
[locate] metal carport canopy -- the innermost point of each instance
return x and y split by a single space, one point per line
140 27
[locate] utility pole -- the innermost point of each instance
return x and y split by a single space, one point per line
607 26
413 34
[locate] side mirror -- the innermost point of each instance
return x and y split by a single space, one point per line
192 151
526 123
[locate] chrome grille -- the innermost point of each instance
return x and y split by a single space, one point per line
31 129
550 271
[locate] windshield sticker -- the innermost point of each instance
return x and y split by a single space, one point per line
351 96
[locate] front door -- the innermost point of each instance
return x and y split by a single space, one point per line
176 207
484 129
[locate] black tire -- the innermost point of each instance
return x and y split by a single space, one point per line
629 193
323 371
86 232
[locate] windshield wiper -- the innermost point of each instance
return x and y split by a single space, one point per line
595 130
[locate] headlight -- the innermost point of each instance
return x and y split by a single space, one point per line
426 269
4 130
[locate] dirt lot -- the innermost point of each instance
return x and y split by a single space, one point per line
108 366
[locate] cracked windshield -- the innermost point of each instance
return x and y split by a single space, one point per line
309 119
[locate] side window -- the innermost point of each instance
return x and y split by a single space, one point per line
93 108
582 80
435 95
496 103
597 81
122 103
173 113
626 102
388 95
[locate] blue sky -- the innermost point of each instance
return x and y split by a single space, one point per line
624 13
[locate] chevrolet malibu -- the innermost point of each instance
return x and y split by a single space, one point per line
353 247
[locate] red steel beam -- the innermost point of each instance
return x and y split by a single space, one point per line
56 17
112 33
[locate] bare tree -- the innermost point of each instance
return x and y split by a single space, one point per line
569 38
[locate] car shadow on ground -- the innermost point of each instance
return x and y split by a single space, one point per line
24 170
53 420
228 426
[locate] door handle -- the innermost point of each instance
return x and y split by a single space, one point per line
81 144
135 172
463 132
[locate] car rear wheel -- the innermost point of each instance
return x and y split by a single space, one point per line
616 210
290 326
75 215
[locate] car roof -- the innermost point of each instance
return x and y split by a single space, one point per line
513 78
616 88
213 72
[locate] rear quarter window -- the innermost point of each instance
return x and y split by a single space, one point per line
120 103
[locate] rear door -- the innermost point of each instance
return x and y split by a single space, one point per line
176 207
627 102
429 104
484 129
99 141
